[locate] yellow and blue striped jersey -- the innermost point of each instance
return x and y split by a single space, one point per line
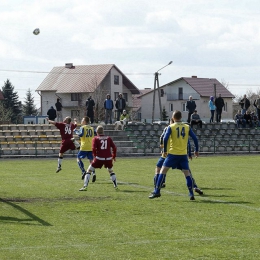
176 137
86 134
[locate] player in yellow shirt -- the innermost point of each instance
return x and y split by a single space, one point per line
175 148
86 134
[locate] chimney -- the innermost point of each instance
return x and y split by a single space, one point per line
69 66
194 77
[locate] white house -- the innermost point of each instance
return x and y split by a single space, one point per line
74 84
175 94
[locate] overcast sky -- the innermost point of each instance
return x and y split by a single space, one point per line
207 38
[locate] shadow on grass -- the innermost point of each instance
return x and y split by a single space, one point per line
216 188
31 216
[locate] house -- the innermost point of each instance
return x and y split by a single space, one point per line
74 84
175 94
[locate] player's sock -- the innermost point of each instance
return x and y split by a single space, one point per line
113 178
94 173
159 183
59 161
194 182
189 185
155 179
164 179
81 166
86 179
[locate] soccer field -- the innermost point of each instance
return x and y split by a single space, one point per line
44 216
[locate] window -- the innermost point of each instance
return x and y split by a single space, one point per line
171 107
75 113
180 93
75 96
116 79
225 107
184 109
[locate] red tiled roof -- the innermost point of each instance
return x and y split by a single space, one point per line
80 78
205 87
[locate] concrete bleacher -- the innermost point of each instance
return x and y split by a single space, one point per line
136 140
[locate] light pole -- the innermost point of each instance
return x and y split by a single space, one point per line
156 84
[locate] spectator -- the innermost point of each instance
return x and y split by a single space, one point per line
120 105
257 105
239 119
248 118
191 106
108 105
52 113
90 104
195 119
212 108
255 119
245 104
124 116
58 106
219 103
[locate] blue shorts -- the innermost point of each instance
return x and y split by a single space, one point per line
84 154
160 162
177 161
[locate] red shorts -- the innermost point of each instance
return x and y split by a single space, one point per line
99 163
67 145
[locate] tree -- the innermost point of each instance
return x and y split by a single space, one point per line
11 101
28 107
164 115
5 113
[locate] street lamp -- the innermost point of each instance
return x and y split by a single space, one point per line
156 84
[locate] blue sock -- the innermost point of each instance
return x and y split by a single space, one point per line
81 166
155 179
189 185
159 183
164 179
194 182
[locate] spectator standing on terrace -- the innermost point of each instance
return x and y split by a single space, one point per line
245 104
219 103
191 106
90 104
257 105
120 105
58 106
108 105
212 108
51 113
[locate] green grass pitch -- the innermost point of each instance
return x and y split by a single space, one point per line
44 216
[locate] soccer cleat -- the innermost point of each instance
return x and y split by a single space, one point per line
58 169
83 175
154 195
116 187
192 198
83 189
94 177
77 145
163 185
198 191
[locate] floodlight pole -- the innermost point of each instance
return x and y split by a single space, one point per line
156 85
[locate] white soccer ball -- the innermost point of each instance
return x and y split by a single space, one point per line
36 31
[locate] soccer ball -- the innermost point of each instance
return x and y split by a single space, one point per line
36 31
